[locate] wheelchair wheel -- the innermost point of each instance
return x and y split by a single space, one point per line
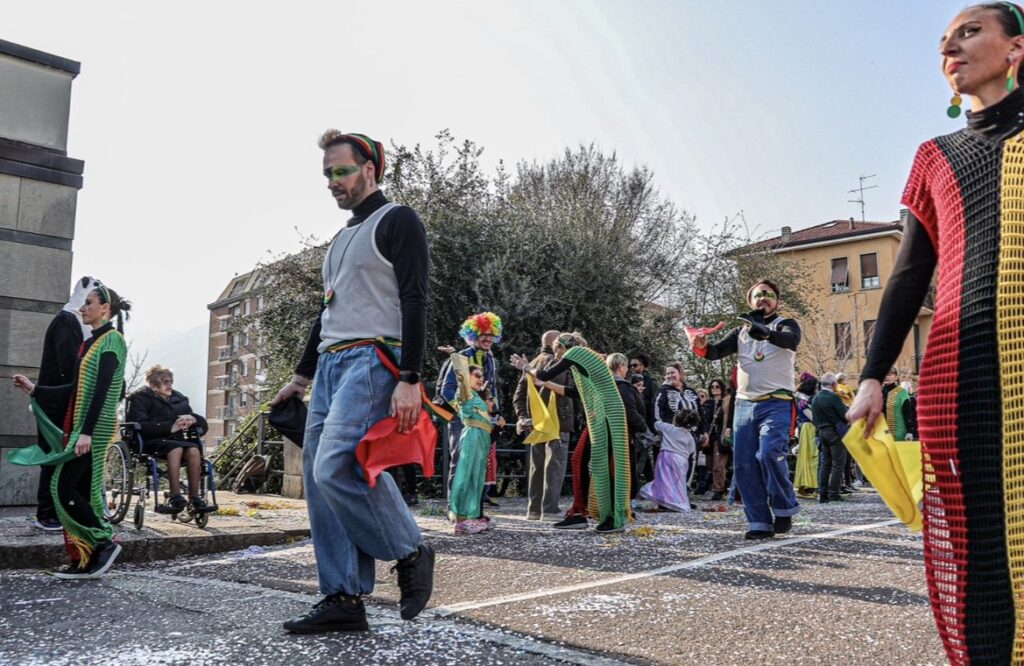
140 515
117 491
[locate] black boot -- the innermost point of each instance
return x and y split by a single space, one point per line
783 524
415 580
336 612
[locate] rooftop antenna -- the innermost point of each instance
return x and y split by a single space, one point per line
860 194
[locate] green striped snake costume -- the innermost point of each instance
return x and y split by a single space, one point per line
606 421
82 537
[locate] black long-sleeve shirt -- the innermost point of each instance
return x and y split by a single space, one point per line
786 336
104 379
402 240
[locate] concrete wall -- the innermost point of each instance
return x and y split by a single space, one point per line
39 187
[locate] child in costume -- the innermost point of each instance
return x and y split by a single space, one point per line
80 448
668 489
474 446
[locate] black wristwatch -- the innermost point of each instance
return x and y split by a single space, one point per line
409 377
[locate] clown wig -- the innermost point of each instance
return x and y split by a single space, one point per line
485 323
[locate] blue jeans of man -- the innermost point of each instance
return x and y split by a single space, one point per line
760 447
352 524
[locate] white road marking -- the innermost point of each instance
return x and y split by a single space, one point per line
443 611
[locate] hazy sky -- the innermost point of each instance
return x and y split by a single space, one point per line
197 121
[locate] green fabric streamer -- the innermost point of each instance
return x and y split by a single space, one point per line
606 420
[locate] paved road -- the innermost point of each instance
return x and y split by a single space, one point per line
846 587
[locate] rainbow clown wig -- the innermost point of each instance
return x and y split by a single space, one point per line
485 323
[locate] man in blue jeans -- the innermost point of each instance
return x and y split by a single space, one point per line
766 347
375 289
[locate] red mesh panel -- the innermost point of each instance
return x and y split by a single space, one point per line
945 532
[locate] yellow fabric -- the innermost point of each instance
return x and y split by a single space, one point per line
894 469
845 394
546 427
1010 328
806 476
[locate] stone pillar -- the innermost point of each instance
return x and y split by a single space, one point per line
291 484
39 186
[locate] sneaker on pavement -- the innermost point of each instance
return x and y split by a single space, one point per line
783 524
335 612
608 527
103 558
717 496
47 524
415 580
464 527
759 534
572 523
533 516
73 571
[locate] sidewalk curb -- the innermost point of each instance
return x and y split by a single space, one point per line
150 548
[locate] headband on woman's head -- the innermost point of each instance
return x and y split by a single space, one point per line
367 147
103 292
1015 10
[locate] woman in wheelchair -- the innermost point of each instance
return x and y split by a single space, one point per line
171 431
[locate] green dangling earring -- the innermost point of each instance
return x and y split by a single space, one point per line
1009 78
954 106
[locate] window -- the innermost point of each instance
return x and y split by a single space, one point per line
869 332
844 341
247 306
869 271
245 368
840 279
259 303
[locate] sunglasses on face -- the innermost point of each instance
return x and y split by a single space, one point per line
764 294
339 172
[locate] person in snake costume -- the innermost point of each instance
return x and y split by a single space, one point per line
607 432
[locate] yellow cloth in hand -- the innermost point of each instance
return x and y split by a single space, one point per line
894 468
546 427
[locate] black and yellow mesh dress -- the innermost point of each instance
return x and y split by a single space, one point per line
966 199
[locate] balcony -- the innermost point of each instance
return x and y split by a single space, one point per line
227 412
227 354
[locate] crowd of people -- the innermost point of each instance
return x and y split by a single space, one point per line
365 352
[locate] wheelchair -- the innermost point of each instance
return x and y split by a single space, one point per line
129 472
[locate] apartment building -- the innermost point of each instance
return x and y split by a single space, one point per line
235 371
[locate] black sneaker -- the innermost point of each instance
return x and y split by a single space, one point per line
199 505
759 534
73 571
783 524
823 500
489 502
572 523
175 505
415 580
717 497
47 525
103 558
608 527
335 612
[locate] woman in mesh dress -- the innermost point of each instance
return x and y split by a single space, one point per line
965 195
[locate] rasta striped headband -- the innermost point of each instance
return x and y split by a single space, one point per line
367 147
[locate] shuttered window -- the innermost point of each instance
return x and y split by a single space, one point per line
840 275
869 271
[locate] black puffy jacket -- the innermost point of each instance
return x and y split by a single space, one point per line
157 414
